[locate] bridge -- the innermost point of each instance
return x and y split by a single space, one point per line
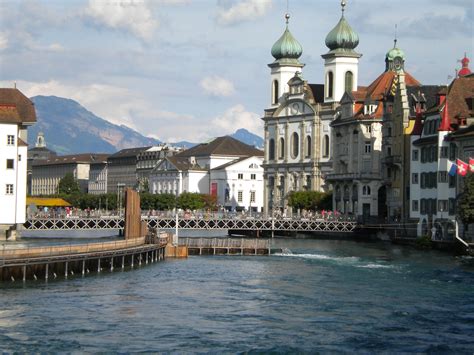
243 224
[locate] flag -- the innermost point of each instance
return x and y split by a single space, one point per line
471 165
462 167
453 170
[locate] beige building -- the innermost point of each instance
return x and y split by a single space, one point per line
46 174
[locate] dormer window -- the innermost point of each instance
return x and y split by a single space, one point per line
369 109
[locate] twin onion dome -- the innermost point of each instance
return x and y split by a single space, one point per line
287 47
342 37
395 52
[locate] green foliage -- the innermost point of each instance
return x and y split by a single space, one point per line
466 201
190 201
159 202
310 200
424 242
68 185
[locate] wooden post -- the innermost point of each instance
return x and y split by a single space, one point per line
133 225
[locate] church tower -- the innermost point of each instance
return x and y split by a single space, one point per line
286 52
341 63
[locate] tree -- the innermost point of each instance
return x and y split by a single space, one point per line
190 201
310 200
68 185
466 201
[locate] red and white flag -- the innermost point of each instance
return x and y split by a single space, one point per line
462 167
471 165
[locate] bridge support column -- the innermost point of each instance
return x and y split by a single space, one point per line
98 265
123 261
140 259
46 271
112 264
83 267
133 255
146 258
65 269
24 273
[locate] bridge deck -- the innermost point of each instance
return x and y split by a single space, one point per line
269 224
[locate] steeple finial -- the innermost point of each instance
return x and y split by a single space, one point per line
343 5
395 39
287 17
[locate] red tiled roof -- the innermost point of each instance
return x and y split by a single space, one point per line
12 100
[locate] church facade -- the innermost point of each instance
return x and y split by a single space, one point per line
297 124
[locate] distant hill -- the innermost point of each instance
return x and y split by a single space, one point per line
69 128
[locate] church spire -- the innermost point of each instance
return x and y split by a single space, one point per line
287 47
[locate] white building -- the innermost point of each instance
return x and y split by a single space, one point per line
16 114
97 183
224 167
433 191
298 135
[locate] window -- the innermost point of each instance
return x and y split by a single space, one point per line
414 155
368 129
389 131
348 81
9 189
252 196
368 147
442 205
452 180
308 146
326 146
240 195
452 206
366 190
19 157
452 151
276 93
10 164
443 176
423 206
330 84
253 176
295 144
308 182
414 205
240 176
10 140
414 178
282 148
271 149
389 151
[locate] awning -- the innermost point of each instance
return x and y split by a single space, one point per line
47 202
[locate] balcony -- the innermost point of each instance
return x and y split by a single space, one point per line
392 160
353 176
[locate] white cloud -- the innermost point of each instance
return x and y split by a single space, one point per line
3 41
237 117
245 10
217 86
134 16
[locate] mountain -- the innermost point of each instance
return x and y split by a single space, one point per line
241 134
69 128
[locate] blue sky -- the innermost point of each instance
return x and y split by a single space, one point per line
195 69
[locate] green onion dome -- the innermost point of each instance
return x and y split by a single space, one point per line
287 47
393 53
342 36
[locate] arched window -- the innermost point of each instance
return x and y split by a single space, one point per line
276 93
308 146
282 148
295 145
326 146
271 150
330 84
348 81
366 190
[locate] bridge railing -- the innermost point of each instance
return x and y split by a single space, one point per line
231 243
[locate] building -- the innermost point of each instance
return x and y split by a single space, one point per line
122 169
367 150
46 174
17 113
440 136
98 169
39 152
148 159
298 137
224 167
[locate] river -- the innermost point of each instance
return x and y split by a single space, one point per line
320 296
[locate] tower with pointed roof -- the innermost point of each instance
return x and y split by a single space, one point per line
286 52
341 63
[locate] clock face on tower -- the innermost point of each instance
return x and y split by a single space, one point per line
398 63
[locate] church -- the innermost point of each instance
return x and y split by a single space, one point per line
297 124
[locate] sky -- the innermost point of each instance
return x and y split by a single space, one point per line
196 69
